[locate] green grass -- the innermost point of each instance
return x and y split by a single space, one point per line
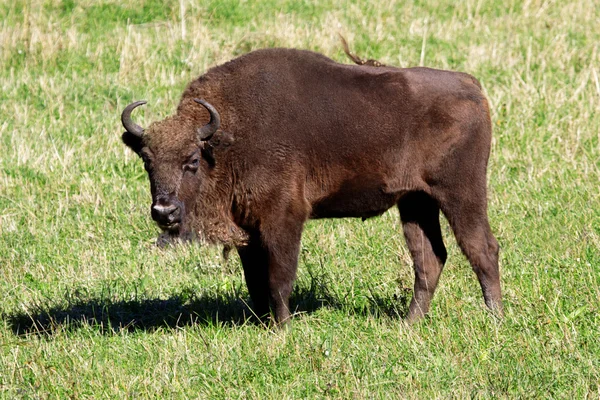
90 308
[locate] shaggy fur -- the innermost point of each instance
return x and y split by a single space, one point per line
301 137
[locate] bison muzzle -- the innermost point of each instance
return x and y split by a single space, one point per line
264 142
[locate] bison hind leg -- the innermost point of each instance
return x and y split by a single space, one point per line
421 224
467 214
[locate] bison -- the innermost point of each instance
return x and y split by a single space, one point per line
264 142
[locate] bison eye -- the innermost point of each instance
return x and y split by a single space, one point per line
193 164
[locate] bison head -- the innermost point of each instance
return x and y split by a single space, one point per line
179 160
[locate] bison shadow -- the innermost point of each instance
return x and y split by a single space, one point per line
185 309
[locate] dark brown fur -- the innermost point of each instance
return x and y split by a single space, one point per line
303 137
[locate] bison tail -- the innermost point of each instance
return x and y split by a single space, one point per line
357 60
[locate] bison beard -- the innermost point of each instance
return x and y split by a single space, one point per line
216 226
287 135
209 226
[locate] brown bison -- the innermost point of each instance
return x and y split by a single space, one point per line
266 141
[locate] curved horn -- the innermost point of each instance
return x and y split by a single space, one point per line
209 129
128 124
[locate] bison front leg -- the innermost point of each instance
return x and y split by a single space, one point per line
255 260
270 261
283 246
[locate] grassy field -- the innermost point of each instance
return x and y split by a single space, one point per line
90 308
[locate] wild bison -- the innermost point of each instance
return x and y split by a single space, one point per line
266 141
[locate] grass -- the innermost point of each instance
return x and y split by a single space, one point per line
90 308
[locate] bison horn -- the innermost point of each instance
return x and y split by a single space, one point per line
209 129
128 124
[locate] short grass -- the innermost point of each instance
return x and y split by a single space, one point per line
90 308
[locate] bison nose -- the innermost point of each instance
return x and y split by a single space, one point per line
166 214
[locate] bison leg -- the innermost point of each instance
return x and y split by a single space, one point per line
469 221
280 234
283 248
255 263
270 261
420 220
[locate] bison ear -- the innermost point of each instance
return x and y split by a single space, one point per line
221 139
217 142
132 141
208 154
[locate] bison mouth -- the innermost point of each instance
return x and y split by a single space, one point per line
171 228
167 215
